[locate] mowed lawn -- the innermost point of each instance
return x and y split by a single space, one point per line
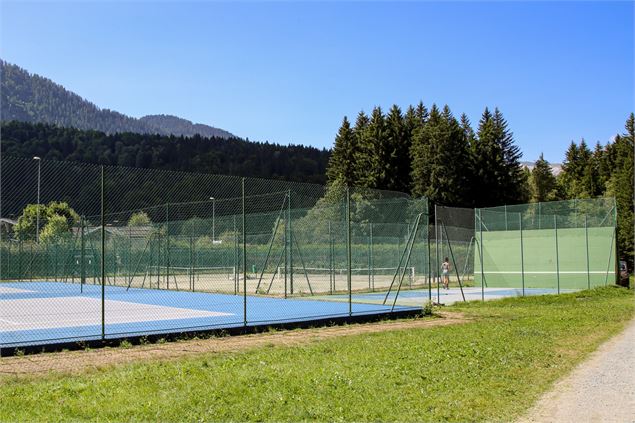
491 368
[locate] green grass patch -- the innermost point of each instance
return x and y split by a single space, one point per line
492 368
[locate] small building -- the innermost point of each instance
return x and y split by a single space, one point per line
6 227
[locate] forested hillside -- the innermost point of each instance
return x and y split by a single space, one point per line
194 154
172 125
31 98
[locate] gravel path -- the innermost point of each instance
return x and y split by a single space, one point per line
601 389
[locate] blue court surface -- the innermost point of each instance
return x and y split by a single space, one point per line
418 297
33 313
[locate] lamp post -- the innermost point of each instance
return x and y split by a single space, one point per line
213 219
37 231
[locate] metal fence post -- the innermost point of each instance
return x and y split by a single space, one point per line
167 245
103 256
290 244
348 252
522 254
617 256
429 256
244 256
235 259
286 252
555 226
480 250
436 247
586 237
82 255
506 227
370 241
608 266
331 282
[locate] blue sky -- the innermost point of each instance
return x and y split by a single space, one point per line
288 72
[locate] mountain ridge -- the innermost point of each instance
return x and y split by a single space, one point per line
29 97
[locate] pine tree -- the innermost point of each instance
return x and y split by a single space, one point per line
542 181
340 164
567 180
409 119
511 178
421 112
468 168
620 186
440 153
374 151
466 126
421 153
486 163
362 157
580 175
398 141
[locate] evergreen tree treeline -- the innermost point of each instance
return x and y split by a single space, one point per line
433 154
193 154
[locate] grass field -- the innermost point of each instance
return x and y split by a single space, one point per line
490 368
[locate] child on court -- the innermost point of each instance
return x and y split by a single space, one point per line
445 270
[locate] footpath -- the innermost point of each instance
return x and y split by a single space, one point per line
601 389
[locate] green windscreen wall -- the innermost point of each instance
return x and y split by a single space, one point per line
521 248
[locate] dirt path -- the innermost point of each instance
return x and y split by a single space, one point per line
602 389
77 361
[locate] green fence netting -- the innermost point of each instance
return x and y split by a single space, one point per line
554 246
111 230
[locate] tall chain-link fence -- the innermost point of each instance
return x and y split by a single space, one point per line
546 247
90 252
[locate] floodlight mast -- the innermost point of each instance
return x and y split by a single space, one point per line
37 231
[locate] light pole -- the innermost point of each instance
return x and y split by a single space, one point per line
37 231
213 218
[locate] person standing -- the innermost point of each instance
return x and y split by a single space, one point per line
445 272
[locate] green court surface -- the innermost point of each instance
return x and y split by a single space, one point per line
569 258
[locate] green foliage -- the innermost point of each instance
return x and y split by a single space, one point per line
374 151
398 140
620 185
542 182
341 162
195 226
26 228
580 172
496 163
606 171
440 157
56 228
139 219
431 154
487 369
196 154
59 214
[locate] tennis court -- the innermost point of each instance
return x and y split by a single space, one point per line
53 312
417 297
143 252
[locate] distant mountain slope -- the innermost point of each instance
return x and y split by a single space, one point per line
32 98
556 168
168 124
